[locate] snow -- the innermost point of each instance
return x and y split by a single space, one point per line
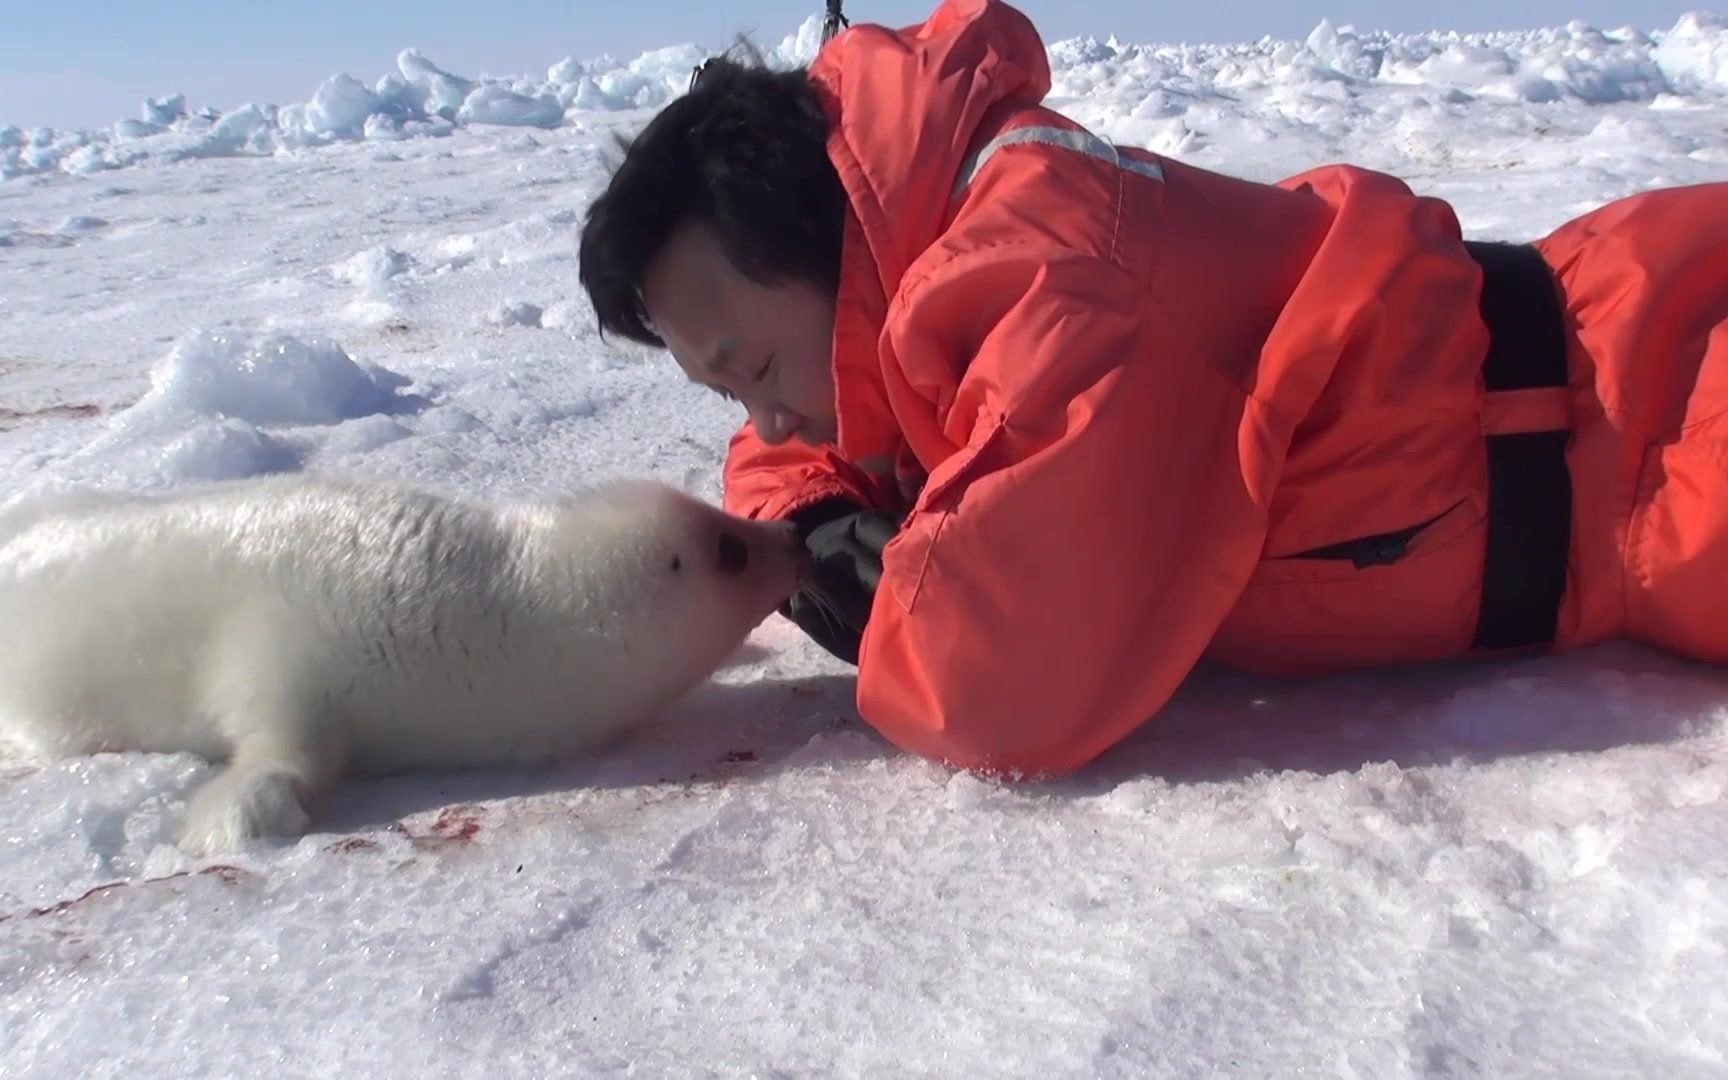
1515 868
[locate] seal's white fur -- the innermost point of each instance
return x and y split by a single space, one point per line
299 629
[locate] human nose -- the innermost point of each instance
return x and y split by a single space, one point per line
774 425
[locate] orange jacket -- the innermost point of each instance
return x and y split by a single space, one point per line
1112 394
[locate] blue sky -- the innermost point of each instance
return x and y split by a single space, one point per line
83 63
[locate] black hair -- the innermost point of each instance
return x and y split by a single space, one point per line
743 153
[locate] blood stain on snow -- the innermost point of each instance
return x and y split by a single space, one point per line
11 418
458 824
349 845
227 875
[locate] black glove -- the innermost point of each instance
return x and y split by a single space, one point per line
846 542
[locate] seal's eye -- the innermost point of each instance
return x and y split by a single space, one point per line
677 564
734 555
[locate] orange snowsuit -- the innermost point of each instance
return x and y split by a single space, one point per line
1128 407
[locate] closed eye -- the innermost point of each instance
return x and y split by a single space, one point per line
760 375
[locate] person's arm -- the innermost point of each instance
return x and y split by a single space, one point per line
1067 565
775 482
834 507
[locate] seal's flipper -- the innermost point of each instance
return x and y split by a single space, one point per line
283 765
245 802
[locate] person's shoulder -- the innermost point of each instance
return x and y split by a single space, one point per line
1049 193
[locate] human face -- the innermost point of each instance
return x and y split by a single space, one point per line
768 348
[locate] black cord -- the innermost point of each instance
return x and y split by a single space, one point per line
834 21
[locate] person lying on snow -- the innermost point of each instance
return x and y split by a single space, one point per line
1061 418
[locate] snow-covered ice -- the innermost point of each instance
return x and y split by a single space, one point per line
1514 869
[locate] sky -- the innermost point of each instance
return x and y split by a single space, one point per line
86 63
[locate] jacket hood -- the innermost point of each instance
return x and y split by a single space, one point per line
905 105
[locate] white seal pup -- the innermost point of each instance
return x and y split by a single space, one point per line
301 629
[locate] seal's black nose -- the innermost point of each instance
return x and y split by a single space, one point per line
733 555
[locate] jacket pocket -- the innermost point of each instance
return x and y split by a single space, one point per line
1404 595
903 570
1350 560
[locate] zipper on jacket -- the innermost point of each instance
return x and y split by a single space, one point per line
1381 549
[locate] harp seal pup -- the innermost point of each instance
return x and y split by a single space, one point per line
296 629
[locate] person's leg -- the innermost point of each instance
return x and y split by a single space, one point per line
1645 286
